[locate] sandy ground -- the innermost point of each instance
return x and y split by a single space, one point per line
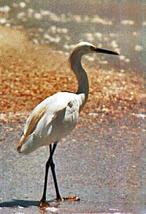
29 73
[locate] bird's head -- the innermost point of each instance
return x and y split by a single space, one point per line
85 48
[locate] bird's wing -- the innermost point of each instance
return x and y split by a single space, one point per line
46 106
31 124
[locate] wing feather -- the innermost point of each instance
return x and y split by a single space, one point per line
47 106
31 124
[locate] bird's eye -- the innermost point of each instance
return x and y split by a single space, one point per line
92 48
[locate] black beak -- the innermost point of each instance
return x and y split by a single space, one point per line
99 50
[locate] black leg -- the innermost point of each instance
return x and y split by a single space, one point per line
43 200
58 197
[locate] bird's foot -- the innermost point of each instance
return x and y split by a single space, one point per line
72 198
43 203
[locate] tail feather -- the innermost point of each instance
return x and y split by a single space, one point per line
23 138
30 144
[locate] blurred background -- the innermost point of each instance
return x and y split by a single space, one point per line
119 25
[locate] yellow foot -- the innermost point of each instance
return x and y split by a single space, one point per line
72 198
44 204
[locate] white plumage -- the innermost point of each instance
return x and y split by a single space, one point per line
53 119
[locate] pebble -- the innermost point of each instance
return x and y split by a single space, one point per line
138 48
22 4
128 22
5 9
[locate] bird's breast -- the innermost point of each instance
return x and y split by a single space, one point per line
67 118
63 124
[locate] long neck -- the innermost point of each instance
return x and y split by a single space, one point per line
76 66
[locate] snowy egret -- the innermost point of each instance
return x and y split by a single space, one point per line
56 116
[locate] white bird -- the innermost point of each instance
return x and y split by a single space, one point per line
56 116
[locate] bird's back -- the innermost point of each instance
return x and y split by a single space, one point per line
53 119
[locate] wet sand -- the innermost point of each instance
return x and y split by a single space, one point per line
102 163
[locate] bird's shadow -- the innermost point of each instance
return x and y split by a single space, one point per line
21 203
27 203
